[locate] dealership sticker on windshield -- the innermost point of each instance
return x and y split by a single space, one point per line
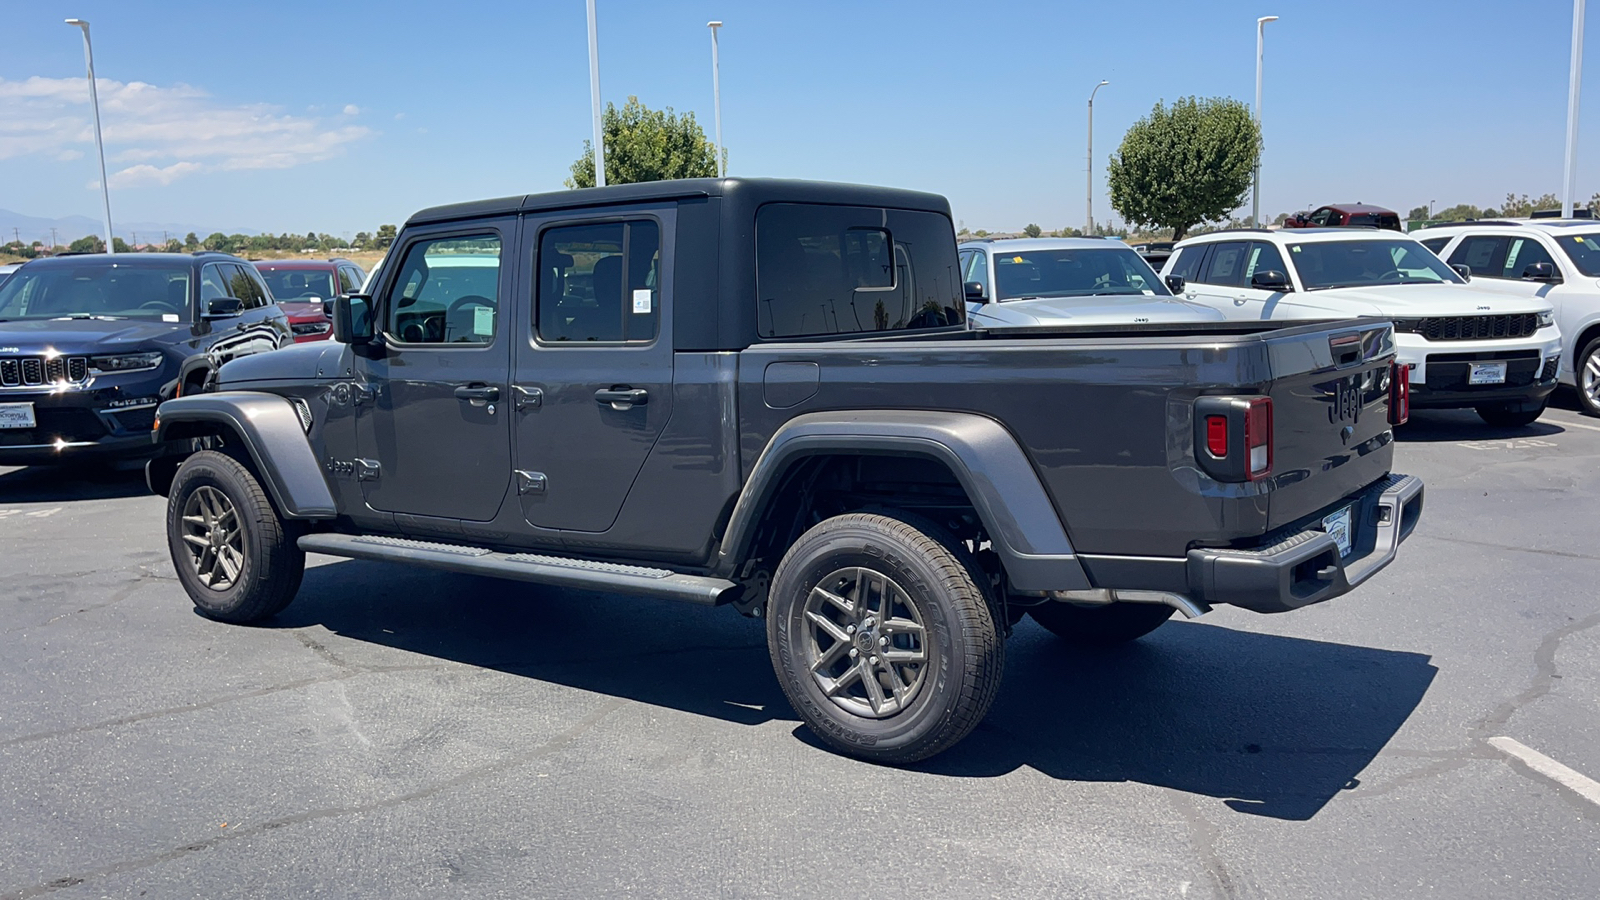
169 317
17 415
641 301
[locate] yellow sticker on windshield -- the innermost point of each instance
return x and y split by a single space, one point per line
1016 259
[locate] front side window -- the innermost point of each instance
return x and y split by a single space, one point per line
600 282
1187 263
1078 272
1582 249
1525 252
243 286
848 270
213 283
1227 264
97 289
1437 245
978 271
447 291
1361 263
1264 257
1322 217
349 280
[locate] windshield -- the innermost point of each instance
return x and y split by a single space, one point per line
1584 250
1339 264
97 289
1085 272
302 285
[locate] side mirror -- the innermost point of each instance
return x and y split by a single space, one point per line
1540 271
352 319
975 293
224 307
1270 280
1464 270
1175 283
327 307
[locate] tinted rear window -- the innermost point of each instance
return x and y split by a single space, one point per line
848 270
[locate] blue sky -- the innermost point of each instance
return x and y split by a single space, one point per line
297 116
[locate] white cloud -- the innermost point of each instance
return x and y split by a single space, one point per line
399 115
161 133
352 110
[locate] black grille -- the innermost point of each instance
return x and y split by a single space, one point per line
1477 328
27 371
67 424
136 420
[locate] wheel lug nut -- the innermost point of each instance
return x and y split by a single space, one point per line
873 661
851 629
883 642
854 653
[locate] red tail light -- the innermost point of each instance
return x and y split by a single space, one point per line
1399 393
1258 438
1217 436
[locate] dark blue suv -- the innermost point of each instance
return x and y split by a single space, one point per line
91 344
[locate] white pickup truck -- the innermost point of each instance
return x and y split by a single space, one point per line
1495 353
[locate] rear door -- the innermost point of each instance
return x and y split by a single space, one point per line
593 387
433 423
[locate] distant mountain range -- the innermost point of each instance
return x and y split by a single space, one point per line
14 225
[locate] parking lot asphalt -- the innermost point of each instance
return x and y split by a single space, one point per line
404 733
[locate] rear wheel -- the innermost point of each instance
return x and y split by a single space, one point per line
235 557
1101 626
1587 370
883 636
1511 415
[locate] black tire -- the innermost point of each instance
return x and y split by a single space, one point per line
1101 626
962 654
254 561
1511 415
1586 375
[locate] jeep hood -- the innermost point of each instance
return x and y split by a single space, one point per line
1125 310
81 337
297 362
1416 300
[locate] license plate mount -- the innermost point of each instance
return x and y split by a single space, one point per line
1487 373
1339 527
17 415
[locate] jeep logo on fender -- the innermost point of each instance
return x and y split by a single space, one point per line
1346 401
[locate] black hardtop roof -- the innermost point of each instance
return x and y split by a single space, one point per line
132 259
750 191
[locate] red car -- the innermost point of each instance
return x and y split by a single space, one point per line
302 285
1346 215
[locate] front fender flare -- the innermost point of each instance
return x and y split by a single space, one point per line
269 429
1016 511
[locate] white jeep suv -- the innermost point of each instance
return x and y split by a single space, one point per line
1494 352
1554 260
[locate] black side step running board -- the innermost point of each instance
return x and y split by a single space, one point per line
556 570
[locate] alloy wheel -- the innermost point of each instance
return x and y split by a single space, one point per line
215 540
1589 379
866 643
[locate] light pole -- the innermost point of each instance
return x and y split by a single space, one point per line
1430 210
1089 178
1569 174
99 146
1255 191
716 96
594 101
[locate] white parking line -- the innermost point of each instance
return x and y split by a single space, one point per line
1565 424
1586 787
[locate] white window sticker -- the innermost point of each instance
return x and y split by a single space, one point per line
483 321
641 301
169 317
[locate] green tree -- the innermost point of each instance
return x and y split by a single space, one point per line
1418 214
89 243
218 241
643 144
384 237
190 242
1594 204
981 233
1032 230
1458 213
1186 164
1515 208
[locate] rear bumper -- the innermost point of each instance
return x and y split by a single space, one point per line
1423 397
1305 568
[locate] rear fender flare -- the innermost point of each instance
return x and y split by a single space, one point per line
999 479
269 429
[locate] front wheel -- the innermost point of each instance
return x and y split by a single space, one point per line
1511 415
235 557
883 636
1587 370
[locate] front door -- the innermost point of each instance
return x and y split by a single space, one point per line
433 427
593 384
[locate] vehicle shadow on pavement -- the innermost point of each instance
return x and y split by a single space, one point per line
1275 726
1454 425
59 484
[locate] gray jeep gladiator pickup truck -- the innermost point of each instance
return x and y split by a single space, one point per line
762 393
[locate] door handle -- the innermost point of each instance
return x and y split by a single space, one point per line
478 394
622 398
